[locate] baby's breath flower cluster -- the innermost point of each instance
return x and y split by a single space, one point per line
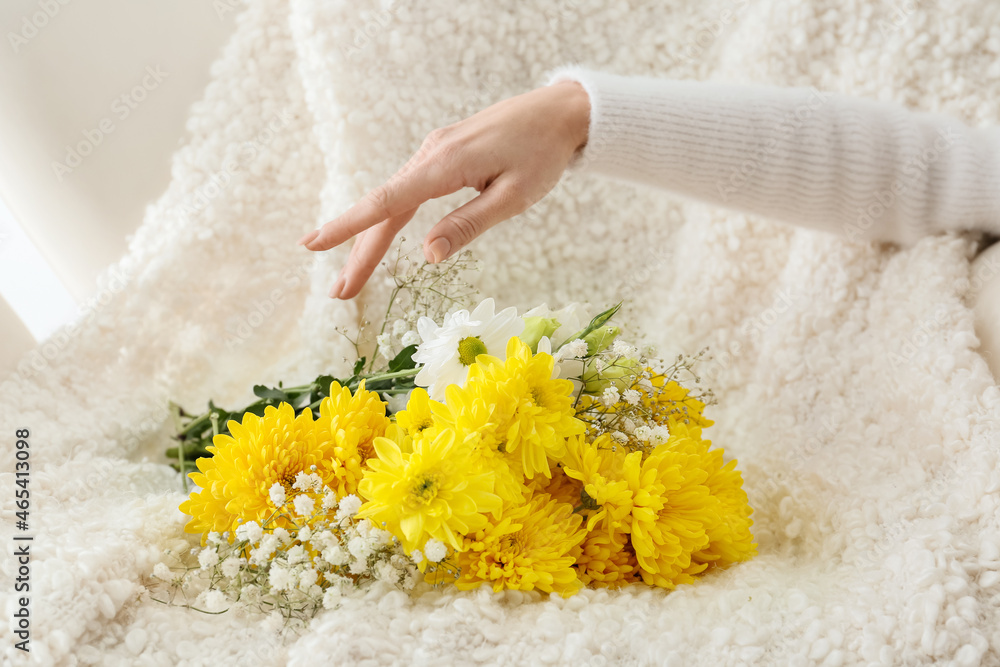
419 290
301 559
633 397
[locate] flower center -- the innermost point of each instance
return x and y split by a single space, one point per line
425 490
469 348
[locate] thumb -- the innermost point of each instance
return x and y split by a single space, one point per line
502 199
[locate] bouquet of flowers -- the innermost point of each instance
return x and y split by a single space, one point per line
471 447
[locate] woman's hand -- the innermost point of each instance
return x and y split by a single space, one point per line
513 153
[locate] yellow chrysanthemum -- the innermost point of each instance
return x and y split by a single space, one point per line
669 403
350 423
236 481
530 548
481 427
598 467
431 491
560 486
606 560
418 414
672 514
534 411
730 541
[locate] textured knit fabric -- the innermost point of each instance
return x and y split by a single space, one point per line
866 169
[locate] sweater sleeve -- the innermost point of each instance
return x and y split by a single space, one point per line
867 170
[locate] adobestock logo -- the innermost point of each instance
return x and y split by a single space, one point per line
33 24
121 108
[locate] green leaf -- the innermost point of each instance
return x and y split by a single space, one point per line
272 393
359 366
321 388
404 360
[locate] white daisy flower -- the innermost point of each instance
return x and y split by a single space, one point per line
447 351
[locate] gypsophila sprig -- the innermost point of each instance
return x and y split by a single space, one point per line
294 570
476 446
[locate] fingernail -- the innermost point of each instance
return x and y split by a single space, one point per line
439 249
309 238
338 287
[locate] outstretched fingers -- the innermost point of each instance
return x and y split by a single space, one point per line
404 192
369 249
502 199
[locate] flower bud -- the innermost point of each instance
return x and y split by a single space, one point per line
622 374
535 328
599 339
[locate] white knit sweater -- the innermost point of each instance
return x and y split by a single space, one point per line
868 170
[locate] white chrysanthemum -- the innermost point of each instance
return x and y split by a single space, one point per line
447 351
208 558
435 550
349 506
249 532
277 493
161 571
304 505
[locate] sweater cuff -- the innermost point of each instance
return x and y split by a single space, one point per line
613 112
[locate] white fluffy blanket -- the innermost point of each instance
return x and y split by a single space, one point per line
849 383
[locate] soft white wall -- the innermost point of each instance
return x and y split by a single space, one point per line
67 78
